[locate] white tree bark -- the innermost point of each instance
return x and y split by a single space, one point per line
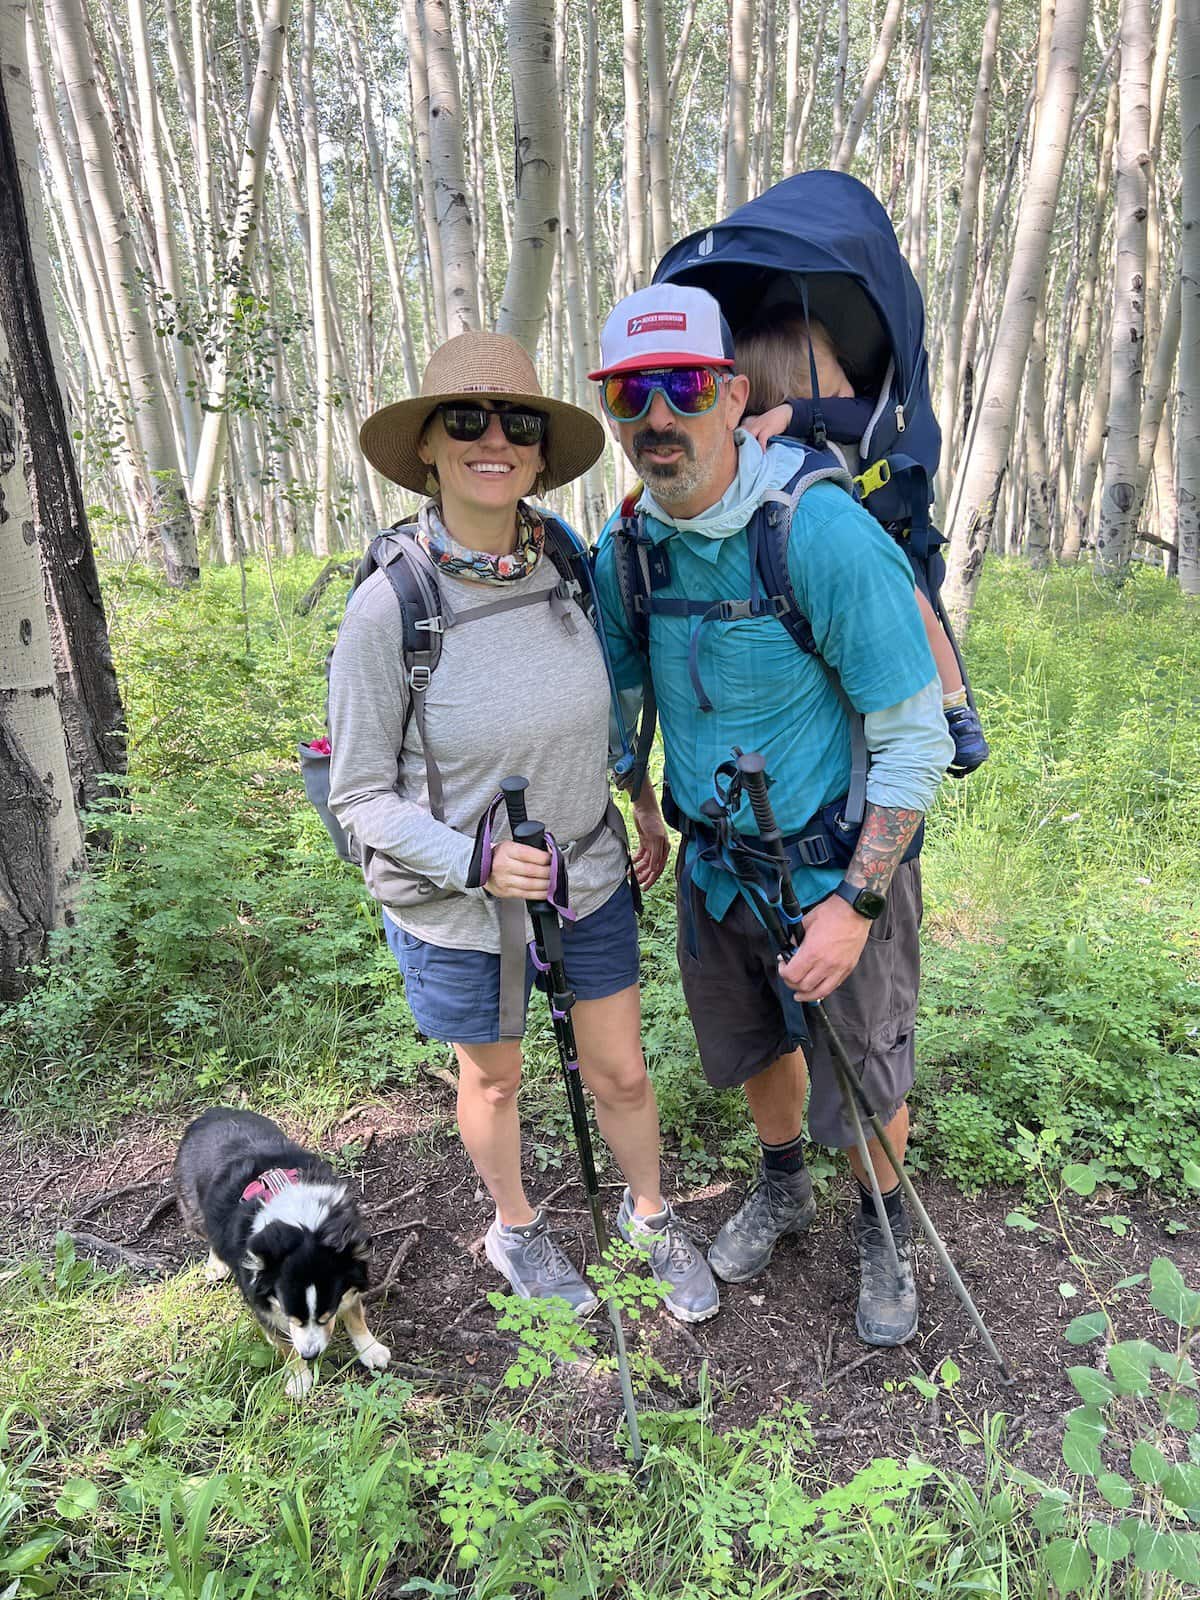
955 299
634 186
537 125
169 518
984 468
41 843
245 229
418 74
1188 436
737 137
876 68
322 342
658 127
169 277
1118 509
451 197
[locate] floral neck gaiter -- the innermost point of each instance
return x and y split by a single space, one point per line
453 558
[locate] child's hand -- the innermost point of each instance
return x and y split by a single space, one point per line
771 422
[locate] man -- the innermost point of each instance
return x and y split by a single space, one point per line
674 404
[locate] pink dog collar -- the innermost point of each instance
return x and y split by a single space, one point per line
270 1184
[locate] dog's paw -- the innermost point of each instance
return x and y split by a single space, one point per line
299 1382
215 1270
376 1356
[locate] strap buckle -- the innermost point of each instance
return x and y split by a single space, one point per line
877 476
419 678
431 625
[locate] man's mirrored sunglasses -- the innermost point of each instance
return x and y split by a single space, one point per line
689 391
465 423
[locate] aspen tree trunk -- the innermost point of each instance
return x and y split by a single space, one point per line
985 466
322 343
377 169
169 278
590 59
658 127
475 167
1076 536
634 187
810 94
1188 437
41 843
537 125
791 79
683 39
88 699
169 517
422 118
918 215
955 298
876 68
1114 539
1158 388
1037 470
1081 335
451 201
244 233
839 80
737 136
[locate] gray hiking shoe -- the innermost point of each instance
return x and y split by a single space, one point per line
674 1260
887 1306
535 1266
779 1203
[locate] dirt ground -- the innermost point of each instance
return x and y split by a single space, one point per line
789 1336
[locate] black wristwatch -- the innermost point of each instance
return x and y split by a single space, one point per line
865 901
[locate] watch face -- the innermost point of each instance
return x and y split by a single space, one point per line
870 904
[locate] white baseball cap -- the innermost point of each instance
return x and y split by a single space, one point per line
666 325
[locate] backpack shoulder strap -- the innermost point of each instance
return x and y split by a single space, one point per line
773 524
413 580
631 568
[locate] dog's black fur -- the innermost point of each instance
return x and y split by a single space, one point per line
299 1257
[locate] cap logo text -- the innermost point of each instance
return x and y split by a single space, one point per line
653 321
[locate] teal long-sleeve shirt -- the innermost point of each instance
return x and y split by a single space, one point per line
856 589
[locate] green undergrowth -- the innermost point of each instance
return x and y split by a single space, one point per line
147 1449
221 949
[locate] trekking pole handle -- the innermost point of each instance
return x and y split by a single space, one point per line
752 768
531 833
513 790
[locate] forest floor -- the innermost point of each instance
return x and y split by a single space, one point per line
786 1337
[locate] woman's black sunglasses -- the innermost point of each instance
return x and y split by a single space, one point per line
471 422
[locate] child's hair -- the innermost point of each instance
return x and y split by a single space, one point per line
772 351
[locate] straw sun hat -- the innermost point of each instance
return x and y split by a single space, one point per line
479 366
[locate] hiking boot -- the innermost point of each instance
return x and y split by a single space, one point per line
535 1266
887 1307
970 747
779 1203
674 1260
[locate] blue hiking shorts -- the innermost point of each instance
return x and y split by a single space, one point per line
455 994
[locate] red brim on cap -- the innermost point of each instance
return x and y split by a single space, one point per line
648 363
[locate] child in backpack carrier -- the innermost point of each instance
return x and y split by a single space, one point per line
778 353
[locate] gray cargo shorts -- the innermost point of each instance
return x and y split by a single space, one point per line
745 1016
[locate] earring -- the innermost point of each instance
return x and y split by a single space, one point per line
432 486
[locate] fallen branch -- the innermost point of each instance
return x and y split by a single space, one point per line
334 569
440 1380
91 1244
852 1366
396 1199
157 1210
407 1246
110 1196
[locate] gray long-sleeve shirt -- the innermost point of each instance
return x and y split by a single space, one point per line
520 692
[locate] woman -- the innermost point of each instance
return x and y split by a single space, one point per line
521 690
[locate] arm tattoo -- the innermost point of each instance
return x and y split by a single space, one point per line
886 834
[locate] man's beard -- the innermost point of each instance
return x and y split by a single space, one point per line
671 480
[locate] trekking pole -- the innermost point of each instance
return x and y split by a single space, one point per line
548 958
754 782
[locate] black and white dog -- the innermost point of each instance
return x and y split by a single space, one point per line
277 1218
